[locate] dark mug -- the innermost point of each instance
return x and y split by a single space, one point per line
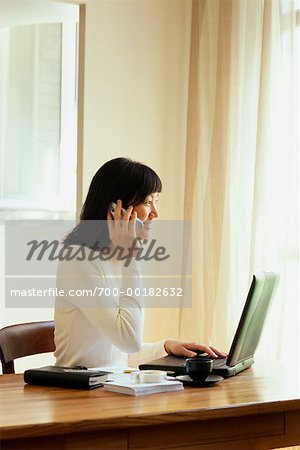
199 368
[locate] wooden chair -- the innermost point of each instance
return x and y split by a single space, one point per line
25 339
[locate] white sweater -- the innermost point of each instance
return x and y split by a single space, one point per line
103 328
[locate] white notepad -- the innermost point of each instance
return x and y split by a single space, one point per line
124 386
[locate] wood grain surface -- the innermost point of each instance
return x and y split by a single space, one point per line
265 396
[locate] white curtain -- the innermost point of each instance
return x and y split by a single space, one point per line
241 188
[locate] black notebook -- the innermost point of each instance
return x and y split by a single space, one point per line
65 377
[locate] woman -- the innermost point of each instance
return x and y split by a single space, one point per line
97 322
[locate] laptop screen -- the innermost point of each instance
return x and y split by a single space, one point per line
253 317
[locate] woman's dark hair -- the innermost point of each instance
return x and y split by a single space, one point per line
119 178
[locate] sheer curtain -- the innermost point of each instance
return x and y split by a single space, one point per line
241 189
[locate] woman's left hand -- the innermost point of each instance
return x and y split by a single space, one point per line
191 349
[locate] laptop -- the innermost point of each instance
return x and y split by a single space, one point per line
246 338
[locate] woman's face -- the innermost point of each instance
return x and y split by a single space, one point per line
146 212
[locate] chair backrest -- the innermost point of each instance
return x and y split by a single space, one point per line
25 339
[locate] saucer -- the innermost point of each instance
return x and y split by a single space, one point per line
210 379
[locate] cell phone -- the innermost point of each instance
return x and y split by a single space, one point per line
112 210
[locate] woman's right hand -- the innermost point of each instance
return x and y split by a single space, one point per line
122 227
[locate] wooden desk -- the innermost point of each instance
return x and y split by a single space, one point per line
251 410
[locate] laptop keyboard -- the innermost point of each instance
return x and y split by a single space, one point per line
220 362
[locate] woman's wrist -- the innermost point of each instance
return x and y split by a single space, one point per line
166 347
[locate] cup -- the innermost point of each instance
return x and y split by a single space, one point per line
199 368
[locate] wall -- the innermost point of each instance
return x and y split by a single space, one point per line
136 73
